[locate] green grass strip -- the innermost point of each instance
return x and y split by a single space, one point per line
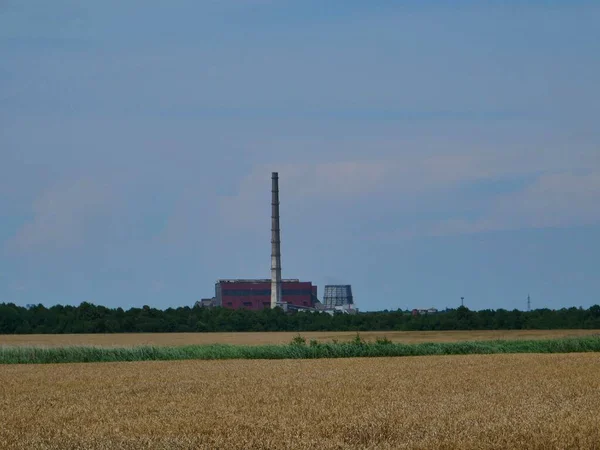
42 355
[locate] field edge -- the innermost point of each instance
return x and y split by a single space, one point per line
298 349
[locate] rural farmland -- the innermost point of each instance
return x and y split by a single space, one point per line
477 401
262 338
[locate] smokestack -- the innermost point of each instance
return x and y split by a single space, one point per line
275 243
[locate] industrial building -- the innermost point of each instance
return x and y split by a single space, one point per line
256 294
421 311
290 294
338 295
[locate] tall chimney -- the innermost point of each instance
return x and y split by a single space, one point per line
275 243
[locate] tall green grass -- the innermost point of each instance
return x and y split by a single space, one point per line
296 350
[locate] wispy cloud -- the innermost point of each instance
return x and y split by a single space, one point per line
552 200
558 191
62 216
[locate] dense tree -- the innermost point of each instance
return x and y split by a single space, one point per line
89 318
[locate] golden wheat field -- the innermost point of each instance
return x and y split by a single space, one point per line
522 401
172 339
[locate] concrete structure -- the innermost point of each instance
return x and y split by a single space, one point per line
276 294
337 295
346 309
419 311
338 298
256 294
205 303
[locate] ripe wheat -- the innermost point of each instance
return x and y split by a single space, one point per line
529 401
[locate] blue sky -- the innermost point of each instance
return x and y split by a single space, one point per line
426 151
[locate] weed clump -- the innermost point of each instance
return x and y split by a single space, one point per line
298 340
383 341
358 340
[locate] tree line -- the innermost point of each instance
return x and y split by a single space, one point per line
90 318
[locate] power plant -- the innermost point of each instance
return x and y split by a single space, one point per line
288 294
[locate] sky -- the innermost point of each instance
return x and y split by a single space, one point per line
427 151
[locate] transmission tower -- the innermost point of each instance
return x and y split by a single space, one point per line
528 303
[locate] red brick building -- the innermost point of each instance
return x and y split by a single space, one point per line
256 294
